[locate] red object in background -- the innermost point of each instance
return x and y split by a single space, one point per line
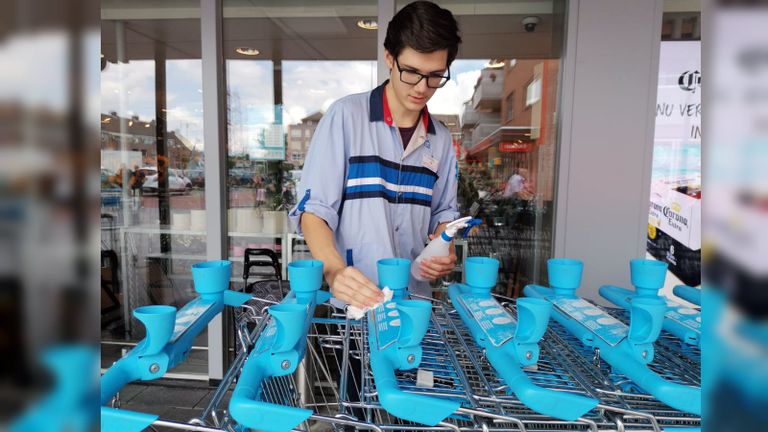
457 147
693 192
510 147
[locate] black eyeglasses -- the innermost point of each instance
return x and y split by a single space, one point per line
412 77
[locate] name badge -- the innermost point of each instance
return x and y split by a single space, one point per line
429 162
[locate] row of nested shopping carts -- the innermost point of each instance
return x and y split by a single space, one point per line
335 381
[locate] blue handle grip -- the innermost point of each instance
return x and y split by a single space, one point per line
159 322
278 352
623 298
687 293
384 361
246 407
556 404
507 359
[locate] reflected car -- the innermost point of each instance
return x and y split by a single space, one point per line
177 182
197 177
240 177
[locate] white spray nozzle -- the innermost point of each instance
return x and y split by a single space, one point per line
458 224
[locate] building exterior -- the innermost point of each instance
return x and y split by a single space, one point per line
140 138
507 122
299 137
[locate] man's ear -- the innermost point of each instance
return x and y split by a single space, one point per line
389 59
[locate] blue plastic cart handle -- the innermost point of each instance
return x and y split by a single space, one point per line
687 293
278 351
622 357
507 360
623 298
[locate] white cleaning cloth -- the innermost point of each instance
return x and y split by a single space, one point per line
355 313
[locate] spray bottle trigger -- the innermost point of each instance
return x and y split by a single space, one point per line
458 223
472 223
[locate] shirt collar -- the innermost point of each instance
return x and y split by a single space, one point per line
379 109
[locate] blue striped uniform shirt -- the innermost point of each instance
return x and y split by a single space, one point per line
379 199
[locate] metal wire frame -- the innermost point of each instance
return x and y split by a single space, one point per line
461 372
556 369
313 386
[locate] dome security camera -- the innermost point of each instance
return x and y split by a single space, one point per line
530 23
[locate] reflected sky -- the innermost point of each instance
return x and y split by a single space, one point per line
308 87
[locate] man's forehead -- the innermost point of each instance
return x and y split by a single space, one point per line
425 62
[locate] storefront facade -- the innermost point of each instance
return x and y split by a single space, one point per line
208 109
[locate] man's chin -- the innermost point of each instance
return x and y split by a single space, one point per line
413 106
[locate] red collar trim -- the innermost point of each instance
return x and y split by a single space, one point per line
388 114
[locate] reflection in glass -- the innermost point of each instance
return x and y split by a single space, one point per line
152 173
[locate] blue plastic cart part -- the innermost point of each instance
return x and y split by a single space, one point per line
631 354
170 333
395 332
71 403
681 321
278 352
688 293
511 344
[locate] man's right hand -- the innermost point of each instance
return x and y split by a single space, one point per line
348 284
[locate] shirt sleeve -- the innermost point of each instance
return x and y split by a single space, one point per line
322 179
444 205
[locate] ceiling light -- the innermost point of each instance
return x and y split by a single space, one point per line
368 24
248 51
494 64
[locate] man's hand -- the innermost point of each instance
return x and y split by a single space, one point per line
436 267
351 286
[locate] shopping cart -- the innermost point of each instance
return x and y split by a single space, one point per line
335 385
674 361
341 395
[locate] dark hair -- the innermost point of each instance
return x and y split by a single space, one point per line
424 27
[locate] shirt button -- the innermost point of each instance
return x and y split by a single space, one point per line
397 229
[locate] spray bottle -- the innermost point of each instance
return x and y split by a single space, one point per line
440 245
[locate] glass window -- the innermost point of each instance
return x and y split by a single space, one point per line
507 156
307 58
674 219
533 93
152 180
510 104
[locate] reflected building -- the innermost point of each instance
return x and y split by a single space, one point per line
138 138
299 137
509 121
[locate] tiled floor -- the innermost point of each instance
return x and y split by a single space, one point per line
174 400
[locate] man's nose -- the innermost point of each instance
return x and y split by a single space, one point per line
421 86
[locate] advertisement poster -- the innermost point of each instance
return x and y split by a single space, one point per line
674 219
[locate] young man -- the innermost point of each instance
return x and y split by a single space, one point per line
380 176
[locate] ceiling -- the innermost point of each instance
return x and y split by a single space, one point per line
325 31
